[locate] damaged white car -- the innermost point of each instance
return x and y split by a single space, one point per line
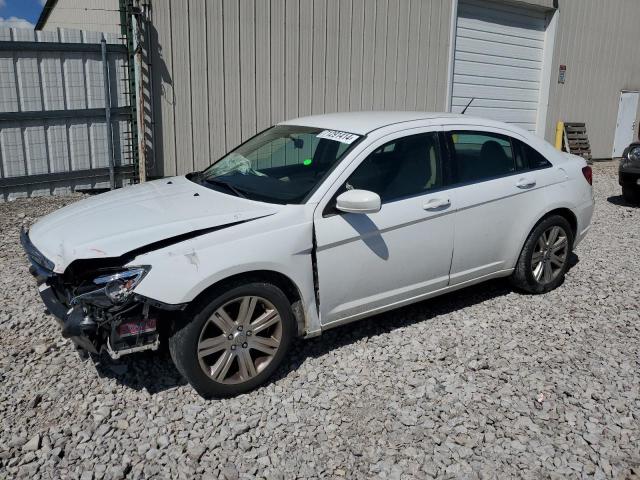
310 224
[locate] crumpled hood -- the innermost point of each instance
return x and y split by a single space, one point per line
117 222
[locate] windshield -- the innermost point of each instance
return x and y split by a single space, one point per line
283 164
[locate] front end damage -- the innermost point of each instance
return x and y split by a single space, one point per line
95 304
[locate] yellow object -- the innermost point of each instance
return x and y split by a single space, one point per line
559 135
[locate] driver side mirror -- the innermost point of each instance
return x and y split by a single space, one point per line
358 201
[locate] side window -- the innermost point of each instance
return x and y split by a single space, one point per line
481 155
401 168
534 158
521 160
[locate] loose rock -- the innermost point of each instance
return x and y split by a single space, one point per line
482 383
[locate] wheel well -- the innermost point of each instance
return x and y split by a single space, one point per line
280 280
568 215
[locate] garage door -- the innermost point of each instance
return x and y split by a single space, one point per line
498 60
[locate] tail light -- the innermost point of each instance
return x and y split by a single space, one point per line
588 174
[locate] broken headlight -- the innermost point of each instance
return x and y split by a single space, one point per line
113 288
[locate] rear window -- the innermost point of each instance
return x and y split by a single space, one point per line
534 158
481 155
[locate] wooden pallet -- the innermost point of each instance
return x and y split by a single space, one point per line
576 140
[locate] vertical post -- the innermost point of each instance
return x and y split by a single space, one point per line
107 115
559 135
139 96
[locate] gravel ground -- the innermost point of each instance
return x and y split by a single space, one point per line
481 383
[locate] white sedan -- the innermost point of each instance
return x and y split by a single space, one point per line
313 223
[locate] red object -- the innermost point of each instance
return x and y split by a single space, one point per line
588 174
137 327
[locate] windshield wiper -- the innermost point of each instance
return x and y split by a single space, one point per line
227 185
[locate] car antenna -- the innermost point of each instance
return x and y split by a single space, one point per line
465 108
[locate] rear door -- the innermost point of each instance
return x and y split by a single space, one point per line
496 196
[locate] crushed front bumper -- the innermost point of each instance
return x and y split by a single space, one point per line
120 330
76 326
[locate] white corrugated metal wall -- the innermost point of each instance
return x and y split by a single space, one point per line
33 81
225 69
598 42
91 15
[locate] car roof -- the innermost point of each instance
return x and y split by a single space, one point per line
362 123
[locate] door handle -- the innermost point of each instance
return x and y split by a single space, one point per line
437 204
525 183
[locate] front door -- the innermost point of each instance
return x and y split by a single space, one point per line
626 124
368 262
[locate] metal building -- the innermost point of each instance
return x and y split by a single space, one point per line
91 15
222 70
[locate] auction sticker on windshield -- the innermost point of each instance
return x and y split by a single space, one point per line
338 136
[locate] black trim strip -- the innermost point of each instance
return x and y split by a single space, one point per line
61 114
177 239
74 47
30 180
172 307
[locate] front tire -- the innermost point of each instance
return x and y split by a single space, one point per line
235 340
544 259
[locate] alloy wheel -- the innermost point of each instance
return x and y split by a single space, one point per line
239 340
550 254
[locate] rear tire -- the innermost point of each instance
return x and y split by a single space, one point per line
235 340
544 259
631 194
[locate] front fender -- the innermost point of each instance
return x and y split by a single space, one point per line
281 243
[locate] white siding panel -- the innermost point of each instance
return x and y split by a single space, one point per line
52 83
484 24
263 66
498 61
35 148
503 49
247 69
8 89
472 90
490 81
487 59
80 153
488 103
319 54
215 99
200 110
277 63
28 82
271 60
98 139
465 67
501 37
306 57
12 152
58 146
